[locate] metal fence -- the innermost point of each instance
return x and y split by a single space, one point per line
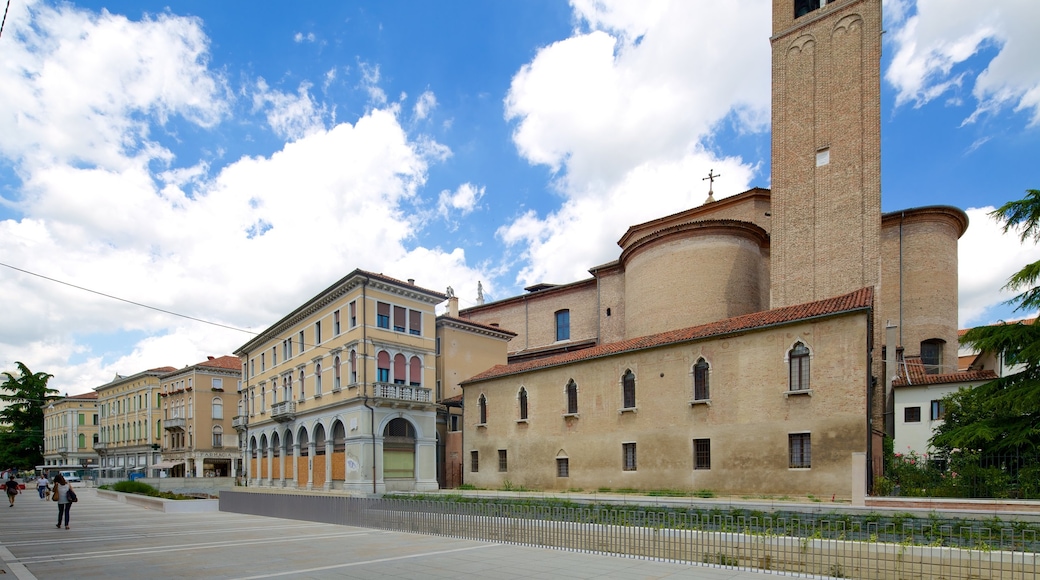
837 547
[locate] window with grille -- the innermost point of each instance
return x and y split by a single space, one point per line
628 451
474 461
800 447
702 454
503 464
563 468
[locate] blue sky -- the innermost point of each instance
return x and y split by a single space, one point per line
228 160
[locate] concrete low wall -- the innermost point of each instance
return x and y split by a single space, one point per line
184 485
170 506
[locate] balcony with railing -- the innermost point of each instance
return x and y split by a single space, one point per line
401 395
283 412
239 422
178 423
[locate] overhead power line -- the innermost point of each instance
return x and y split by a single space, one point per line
157 309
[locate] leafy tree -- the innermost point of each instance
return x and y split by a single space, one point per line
1003 416
21 439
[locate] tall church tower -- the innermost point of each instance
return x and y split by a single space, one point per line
826 174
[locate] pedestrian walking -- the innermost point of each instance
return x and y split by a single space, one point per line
12 489
43 486
62 494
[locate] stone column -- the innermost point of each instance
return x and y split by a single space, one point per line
296 465
328 464
281 465
270 465
310 464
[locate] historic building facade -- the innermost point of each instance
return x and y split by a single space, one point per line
197 405
339 394
819 233
70 431
130 423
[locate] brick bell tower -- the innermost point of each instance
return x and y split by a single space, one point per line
826 173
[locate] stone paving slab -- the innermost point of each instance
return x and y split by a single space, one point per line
109 539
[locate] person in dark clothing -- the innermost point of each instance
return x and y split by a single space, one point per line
12 489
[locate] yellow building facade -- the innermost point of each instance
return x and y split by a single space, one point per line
339 394
198 403
130 424
70 431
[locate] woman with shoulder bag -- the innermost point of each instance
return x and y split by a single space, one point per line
64 495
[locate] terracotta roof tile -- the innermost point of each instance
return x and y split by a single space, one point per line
913 372
223 362
858 300
90 395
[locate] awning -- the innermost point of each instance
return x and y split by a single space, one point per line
167 464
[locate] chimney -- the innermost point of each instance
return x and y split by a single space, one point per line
453 307
209 358
411 281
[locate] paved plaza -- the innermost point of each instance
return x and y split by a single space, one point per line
110 539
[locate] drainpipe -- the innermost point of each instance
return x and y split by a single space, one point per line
902 216
364 376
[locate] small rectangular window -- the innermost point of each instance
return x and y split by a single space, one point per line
938 410
454 423
383 315
400 315
317 332
563 468
503 464
474 461
415 322
800 447
628 451
301 341
702 453
353 313
912 415
335 323
217 384
563 325
263 364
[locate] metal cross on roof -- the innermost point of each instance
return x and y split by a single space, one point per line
711 182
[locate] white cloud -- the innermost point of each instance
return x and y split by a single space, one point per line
300 37
622 113
76 84
370 83
251 240
562 246
290 116
944 34
464 199
988 257
425 104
